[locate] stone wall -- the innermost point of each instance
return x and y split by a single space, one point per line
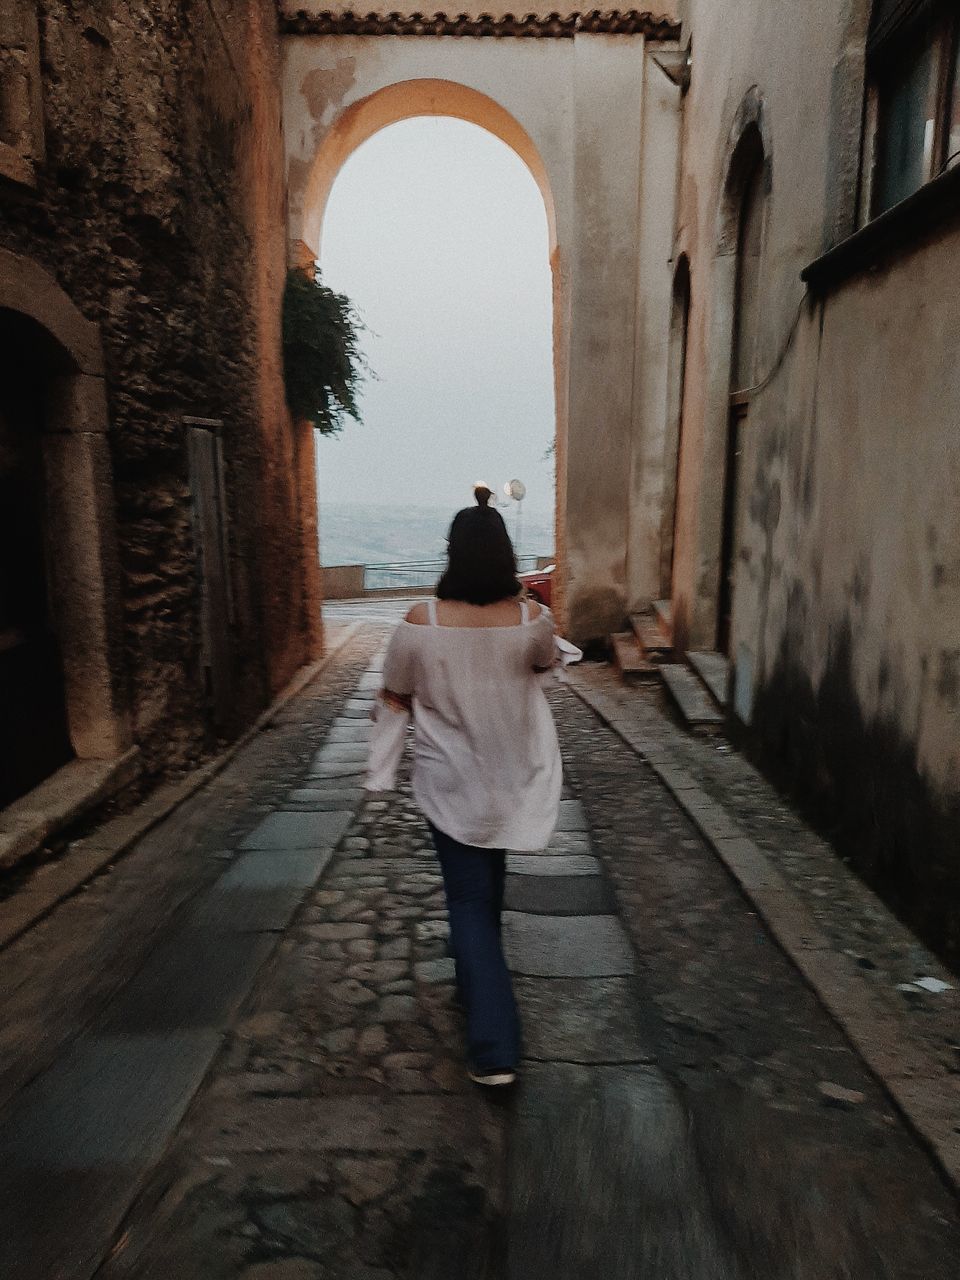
159 210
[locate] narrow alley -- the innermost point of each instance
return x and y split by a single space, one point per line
236 1051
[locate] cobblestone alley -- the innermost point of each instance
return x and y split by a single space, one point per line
236 1052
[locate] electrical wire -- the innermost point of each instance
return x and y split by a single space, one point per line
784 351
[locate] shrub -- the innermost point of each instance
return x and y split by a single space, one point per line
322 362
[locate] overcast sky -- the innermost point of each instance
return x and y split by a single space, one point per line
438 233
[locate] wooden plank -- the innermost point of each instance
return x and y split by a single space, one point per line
663 615
628 657
694 703
714 670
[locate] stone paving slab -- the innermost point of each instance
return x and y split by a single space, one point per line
693 701
194 979
82 1136
288 830
324 799
577 842
714 670
560 895
581 1020
572 816
272 868
566 946
110 1100
340 753
261 891
619 1137
350 731
547 864
246 910
344 771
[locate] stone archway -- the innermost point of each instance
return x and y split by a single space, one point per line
70 414
405 101
583 104
432 97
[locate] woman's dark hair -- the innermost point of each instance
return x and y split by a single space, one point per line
481 566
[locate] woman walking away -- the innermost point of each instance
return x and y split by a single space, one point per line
486 770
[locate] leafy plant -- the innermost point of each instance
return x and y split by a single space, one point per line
323 365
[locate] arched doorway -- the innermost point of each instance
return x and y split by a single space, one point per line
746 217
677 379
409 100
60 643
34 730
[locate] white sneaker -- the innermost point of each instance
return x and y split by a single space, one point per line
493 1079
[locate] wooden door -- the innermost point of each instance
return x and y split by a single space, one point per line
207 487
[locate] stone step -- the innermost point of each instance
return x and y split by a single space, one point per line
692 699
714 670
629 659
653 643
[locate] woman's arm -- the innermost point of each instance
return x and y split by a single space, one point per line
544 655
392 712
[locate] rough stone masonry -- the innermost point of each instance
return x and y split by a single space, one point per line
157 207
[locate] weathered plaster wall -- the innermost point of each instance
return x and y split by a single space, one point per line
787 56
159 210
291 584
574 111
654 446
846 626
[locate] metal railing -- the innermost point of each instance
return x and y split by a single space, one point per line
406 574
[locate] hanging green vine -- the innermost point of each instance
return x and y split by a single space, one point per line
323 365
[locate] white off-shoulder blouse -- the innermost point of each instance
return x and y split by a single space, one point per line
486 761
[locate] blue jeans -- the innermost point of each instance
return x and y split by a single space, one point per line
473 881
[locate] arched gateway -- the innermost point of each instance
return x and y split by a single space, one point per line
583 104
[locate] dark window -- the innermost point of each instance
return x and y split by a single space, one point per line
907 99
21 107
749 251
913 112
953 122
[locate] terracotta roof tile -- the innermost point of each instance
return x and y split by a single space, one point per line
629 22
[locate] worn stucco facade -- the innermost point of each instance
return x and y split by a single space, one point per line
845 629
597 122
